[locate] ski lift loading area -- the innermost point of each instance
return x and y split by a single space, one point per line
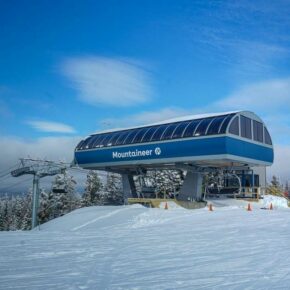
229 150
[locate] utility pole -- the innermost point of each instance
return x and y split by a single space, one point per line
39 169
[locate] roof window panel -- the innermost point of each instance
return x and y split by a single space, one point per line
106 139
121 138
214 127
225 123
96 140
246 127
114 138
130 137
148 134
158 133
79 146
190 129
178 132
258 131
267 137
202 127
140 133
167 134
235 126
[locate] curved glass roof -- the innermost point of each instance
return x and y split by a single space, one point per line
179 129
184 129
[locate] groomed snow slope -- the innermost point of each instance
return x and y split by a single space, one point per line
131 247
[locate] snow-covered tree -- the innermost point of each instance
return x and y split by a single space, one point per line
63 199
93 194
113 191
275 188
17 212
5 214
166 182
26 211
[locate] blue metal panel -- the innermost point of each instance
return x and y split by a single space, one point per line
249 150
181 148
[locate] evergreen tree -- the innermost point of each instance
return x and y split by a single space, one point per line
166 182
275 188
45 207
26 211
17 212
93 194
63 198
113 191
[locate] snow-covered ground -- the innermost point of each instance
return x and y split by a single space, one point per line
132 247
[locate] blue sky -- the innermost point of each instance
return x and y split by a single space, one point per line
69 68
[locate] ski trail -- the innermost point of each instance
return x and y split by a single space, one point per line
99 218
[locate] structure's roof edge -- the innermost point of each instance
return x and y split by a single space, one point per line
172 120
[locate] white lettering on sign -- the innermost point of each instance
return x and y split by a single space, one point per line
136 153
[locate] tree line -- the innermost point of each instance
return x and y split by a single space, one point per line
16 211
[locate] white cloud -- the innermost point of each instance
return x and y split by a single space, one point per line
266 96
146 117
108 81
269 99
46 126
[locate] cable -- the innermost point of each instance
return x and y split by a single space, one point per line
7 171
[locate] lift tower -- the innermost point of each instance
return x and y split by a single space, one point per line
39 169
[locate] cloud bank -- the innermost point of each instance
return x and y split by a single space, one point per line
49 148
108 81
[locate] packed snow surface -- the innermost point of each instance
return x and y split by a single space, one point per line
132 247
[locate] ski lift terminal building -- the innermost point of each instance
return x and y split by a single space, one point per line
198 144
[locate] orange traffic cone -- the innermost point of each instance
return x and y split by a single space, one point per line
271 206
249 207
166 205
210 208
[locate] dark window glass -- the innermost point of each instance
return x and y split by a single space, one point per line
114 138
105 140
139 135
267 137
215 125
190 128
130 137
100 141
168 132
225 124
201 129
91 141
85 143
235 127
79 146
158 133
147 136
97 140
246 127
179 130
121 138
257 131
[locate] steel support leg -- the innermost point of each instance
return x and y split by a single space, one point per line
192 187
35 200
129 189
